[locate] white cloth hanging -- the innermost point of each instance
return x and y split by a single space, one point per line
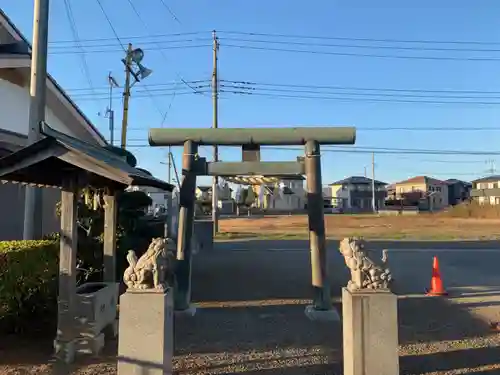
237 195
262 195
282 190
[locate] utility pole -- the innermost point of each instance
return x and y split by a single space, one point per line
365 172
169 164
110 112
374 205
38 88
215 124
491 169
126 96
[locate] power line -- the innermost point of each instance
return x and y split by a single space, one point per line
160 48
155 43
286 36
358 88
87 98
166 85
398 95
403 48
72 23
319 87
343 98
322 95
377 150
437 58
146 88
111 25
298 36
170 11
139 38
166 92
409 129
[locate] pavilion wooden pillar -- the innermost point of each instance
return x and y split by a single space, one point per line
64 343
110 226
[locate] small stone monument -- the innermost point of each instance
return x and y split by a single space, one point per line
146 330
369 309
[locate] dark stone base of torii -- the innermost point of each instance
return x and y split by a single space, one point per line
250 140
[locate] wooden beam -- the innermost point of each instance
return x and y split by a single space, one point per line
64 344
110 225
14 76
250 152
251 168
258 136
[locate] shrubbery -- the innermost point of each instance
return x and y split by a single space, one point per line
473 210
28 282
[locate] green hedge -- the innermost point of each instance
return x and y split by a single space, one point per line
28 281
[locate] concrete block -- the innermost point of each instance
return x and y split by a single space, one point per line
146 333
97 307
370 330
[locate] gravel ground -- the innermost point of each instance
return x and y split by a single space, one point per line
251 319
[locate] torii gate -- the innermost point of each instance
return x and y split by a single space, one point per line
250 141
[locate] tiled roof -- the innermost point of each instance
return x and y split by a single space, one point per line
491 178
421 180
357 180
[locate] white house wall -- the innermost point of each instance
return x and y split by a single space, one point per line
14 109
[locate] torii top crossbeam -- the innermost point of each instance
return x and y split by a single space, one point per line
258 136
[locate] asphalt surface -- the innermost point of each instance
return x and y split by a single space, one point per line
470 269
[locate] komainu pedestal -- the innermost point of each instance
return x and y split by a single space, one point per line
370 330
146 332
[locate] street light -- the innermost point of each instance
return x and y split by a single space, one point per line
133 66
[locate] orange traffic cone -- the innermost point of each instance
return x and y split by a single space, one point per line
437 288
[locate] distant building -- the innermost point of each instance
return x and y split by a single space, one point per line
355 194
458 191
486 190
290 197
425 192
204 193
158 198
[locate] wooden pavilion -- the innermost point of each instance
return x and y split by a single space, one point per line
61 161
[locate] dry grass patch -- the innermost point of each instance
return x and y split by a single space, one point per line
423 226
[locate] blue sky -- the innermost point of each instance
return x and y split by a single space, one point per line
426 20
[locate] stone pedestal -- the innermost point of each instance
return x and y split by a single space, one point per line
96 313
370 330
146 333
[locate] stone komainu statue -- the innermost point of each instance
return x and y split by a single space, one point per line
367 272
154 268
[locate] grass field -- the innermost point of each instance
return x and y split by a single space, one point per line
414 227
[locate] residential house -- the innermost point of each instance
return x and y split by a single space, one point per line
61 114
354 194
290 197
486 190
425 192
204 193
458 191
158 197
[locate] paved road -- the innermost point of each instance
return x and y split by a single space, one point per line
465 265
251 297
